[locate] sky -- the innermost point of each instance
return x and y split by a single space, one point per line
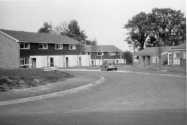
102 20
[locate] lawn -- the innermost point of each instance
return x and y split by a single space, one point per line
24 78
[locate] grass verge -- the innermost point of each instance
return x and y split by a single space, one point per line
25 78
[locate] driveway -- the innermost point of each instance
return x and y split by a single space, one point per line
125 98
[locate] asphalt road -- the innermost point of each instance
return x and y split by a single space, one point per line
123 99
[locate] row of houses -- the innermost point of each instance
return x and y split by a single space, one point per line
173 55
38 50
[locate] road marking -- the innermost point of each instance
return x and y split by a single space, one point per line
55 94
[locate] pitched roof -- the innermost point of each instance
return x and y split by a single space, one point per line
102 48
33 37
181 47
152 51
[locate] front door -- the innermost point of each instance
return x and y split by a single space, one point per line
51 62
67 61
33 60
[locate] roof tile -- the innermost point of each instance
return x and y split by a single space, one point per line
33 37
102 48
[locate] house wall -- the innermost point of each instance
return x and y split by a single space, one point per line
85 60
9 52
177 57
146 60
60 60
35 50
105 55
98 62
154 60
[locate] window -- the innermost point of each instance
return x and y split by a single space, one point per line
24 61
99 53
24 46
72 47
58 46
43 46
155 59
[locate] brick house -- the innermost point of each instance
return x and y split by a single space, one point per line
104 53
37 50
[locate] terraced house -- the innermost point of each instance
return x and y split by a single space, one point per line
104 53
37 50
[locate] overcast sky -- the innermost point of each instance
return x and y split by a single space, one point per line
102 20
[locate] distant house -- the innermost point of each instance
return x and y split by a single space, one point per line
177 55
173 55
152 55
37 50
104 53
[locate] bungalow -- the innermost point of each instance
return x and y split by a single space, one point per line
152 55
104 53
177 55
37 50
173 55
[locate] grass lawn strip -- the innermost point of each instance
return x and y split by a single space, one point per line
78 80
26 78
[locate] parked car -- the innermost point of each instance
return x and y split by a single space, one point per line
108 67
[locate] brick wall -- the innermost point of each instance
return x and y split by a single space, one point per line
9 52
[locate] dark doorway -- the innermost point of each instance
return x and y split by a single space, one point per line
67 62
33 60
51 62
80 61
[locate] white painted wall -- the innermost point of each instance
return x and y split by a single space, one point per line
85 60
99 62
41 61
73 61
60 60
176 60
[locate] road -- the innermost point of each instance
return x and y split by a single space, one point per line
123 99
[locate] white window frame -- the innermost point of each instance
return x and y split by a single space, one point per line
43 46
170 58
25 46
58 46
24 61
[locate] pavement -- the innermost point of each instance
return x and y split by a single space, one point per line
161 73
124 98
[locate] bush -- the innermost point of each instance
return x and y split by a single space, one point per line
128 57
165 62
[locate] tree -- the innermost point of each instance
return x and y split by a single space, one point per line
62 28
91 42
75 32
47 28
161 27
72 30
127 55
94 42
